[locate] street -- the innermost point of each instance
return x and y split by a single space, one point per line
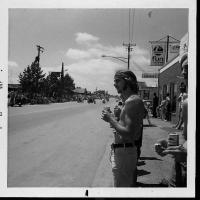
67 145
55 145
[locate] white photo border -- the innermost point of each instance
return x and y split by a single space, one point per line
98 192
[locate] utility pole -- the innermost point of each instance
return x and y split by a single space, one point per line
62 79
167 48
129 48
62 71
40 49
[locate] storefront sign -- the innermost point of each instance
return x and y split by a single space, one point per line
174 48
158 54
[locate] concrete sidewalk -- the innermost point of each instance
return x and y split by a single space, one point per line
152 168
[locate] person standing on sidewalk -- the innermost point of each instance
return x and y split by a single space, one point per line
178 176
146 115
181 98
162 109
168 108
127 130
155 105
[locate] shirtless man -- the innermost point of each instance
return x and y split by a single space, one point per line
127 130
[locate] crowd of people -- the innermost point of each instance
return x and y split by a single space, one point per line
126 122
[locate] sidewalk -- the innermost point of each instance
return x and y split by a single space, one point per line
152 168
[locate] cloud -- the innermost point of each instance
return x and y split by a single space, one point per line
77 54
85 38
13 72
88 66
12 64
94 73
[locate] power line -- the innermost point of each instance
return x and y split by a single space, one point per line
133 18
129 24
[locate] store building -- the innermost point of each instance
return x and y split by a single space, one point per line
170 79
146 92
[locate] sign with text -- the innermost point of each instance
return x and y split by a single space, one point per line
158 50
174 48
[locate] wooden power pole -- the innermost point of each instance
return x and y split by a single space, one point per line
129 48
40 49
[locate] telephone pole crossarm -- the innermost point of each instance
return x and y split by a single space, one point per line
129 47
40 49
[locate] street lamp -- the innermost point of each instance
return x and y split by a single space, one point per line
123 59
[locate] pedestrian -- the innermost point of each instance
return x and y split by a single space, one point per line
167 108
127 130
158 111
155 105
181 98
146 111
163 109
178 176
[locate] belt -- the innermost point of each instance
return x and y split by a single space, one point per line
121 145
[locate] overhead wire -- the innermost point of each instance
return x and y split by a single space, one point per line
129 20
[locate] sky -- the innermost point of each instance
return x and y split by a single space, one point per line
79 38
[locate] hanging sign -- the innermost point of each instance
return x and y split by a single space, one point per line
174 48
158 54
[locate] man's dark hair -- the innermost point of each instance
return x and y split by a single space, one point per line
129 77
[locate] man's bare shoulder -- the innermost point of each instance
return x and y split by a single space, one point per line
134 101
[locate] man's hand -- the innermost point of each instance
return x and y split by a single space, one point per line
106 116
178 152
160 149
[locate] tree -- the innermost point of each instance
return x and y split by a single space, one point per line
68 83
65 85
55 86
31 79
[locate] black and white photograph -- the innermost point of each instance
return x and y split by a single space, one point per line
97 99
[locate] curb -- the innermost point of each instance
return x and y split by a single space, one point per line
103 177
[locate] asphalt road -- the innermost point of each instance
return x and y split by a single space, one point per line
56 145
67 145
